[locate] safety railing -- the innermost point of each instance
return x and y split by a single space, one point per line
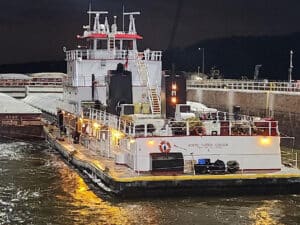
22 83
290 158
243 126
153 96
88 54
245 85
230 128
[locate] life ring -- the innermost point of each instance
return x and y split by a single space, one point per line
165 147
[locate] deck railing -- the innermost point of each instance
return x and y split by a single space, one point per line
30 83
241 126
245 85
88 54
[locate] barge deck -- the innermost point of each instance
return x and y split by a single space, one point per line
125 182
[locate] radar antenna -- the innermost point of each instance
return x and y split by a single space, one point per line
97 14
131 29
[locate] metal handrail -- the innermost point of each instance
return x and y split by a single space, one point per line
31 84
143 70
89 54
245 85
128 128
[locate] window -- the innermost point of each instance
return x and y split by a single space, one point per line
117 44
185 109
101 44
128 109
128 44
90 44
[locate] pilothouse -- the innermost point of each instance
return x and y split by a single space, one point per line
90 69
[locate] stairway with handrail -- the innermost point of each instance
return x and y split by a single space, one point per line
153 95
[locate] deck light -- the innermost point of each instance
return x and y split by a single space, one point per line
116 134
174 100
150 142
96 125
174 87
132 141
265 141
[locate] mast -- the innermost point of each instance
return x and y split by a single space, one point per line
90 9
97 17
131 29
123 19
291 66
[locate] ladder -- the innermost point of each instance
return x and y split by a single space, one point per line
153 95
111 42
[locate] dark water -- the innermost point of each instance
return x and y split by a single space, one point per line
36 187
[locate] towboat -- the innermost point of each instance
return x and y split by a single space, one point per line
128 125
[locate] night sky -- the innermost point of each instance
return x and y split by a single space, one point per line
36 30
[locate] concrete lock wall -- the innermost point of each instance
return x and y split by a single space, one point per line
284 107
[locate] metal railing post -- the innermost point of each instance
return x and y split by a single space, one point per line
187 128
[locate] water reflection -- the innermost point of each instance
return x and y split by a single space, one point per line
269 213
38 188
88 208
85 205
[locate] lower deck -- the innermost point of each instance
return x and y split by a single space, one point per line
115 176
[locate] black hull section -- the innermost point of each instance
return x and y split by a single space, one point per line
22 132
240 187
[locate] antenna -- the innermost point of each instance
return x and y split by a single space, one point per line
114 28
97 14
131 13
291 66
256 71
90 9
123 18
131 28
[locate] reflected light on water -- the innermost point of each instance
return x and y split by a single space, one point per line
87 208
264 214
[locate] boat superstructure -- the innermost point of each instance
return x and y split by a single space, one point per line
106 47
147 144
118 104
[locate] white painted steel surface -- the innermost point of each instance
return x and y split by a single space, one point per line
44 102
248 151
9 105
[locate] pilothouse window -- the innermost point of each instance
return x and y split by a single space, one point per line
128 44
118 45
90 44
101 44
